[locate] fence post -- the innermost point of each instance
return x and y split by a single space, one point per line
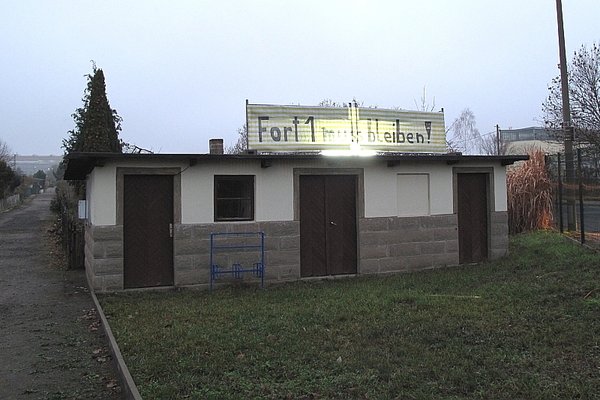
580 176
560 199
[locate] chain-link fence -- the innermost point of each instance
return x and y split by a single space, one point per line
577 194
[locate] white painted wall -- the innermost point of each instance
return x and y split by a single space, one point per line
274 190
412 195
500 194
103 194
102 198
381 187
273 186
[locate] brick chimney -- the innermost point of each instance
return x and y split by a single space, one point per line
215 146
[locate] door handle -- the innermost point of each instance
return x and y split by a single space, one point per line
332 223
171 230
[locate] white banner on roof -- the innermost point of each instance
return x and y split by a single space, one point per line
275 128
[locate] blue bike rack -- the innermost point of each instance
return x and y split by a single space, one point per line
237 270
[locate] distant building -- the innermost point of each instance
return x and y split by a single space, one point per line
523 140
29 165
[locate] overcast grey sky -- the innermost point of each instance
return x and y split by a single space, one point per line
179 72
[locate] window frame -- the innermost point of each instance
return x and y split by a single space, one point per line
251 197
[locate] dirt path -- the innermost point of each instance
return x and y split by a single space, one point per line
50 344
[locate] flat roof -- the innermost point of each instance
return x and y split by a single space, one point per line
79 165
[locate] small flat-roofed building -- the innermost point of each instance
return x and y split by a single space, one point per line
150 216
287 211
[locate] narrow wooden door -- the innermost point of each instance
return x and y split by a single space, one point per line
147 230
328 244
313 249
472 217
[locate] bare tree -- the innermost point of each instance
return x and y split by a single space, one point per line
424 104
584 96
489 145
241 145
5 152
465 136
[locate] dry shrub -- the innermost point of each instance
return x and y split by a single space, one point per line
530 192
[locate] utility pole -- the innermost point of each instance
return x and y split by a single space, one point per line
566 111
497 139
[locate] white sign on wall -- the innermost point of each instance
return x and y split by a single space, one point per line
300 128
82 210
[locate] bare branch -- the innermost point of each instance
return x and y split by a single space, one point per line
465 136
424 105
241 145
584 96
5 152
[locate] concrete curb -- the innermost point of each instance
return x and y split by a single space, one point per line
130 390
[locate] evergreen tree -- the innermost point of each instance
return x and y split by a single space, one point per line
97 126
7 178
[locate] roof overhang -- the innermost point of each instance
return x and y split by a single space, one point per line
79 165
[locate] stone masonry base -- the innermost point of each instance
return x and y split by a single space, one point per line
385 245
394 244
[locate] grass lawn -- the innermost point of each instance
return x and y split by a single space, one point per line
526 327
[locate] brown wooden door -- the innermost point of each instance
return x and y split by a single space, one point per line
472 217
327 225
147 241
313 250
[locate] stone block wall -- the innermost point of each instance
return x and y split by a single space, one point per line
104 257
395 244
192 250
498 235
386 245
104 253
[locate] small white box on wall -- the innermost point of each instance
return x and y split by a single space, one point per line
82 209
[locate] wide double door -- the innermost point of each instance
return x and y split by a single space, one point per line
328 243
148 230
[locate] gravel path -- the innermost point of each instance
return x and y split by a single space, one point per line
51 346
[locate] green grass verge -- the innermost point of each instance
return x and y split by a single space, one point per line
525 327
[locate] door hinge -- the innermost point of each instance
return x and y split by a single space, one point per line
171 230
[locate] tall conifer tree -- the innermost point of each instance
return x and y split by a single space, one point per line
97 126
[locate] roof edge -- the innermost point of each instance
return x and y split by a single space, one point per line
79 165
